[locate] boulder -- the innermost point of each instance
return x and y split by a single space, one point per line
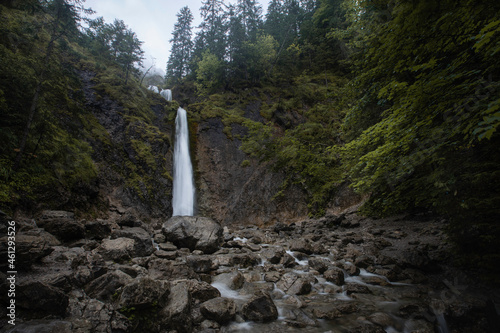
202 291
220 309
273 254
301 245
319 264
31 247
193 232
294 284
64 229
164 269
200 264
119 249
144 293
260 308
104 287
41 300
143 245
176 314
334 275
97 229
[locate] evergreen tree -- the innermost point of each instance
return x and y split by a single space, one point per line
212 34
182 45
250 14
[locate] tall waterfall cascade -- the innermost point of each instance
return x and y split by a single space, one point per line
183 192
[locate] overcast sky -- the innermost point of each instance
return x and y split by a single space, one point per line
152 20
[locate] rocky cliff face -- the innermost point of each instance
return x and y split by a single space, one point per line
234 194
132 151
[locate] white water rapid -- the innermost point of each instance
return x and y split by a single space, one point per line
183 194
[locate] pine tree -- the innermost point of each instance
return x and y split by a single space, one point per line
250 14
182 45
212 34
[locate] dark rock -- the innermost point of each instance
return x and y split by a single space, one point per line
381 319
366 328
129 220
118 249
104 287
294 284
31 247
334 275
287 260
97 230
143 245
301 245
144 293
355 288
201 291
170 270
237 260
200 264
40 300
176 314
195 233
319 264
64 229
260 308
420 260
43 326
273 255
333 220
363 261
220 309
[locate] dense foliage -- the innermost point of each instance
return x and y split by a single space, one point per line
400 99
47 132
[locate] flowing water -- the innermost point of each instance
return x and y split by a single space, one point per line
167 94
183 192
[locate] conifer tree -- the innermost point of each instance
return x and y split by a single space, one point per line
212 34
250 14
182 45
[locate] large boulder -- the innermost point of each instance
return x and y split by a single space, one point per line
294 284
220 309
61 224
105 286
40 300
194 232
31 247
260 308
144 293
143 245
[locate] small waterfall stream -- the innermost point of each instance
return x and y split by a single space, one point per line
183 193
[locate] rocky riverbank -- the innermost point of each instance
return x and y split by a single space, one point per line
341 273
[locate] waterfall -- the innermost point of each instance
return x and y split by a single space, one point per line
154 89
167 94
183 194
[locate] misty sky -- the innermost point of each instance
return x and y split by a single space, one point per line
152 20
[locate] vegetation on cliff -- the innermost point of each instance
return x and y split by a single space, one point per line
58 82
400 99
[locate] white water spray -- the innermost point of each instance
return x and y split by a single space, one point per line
183 193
